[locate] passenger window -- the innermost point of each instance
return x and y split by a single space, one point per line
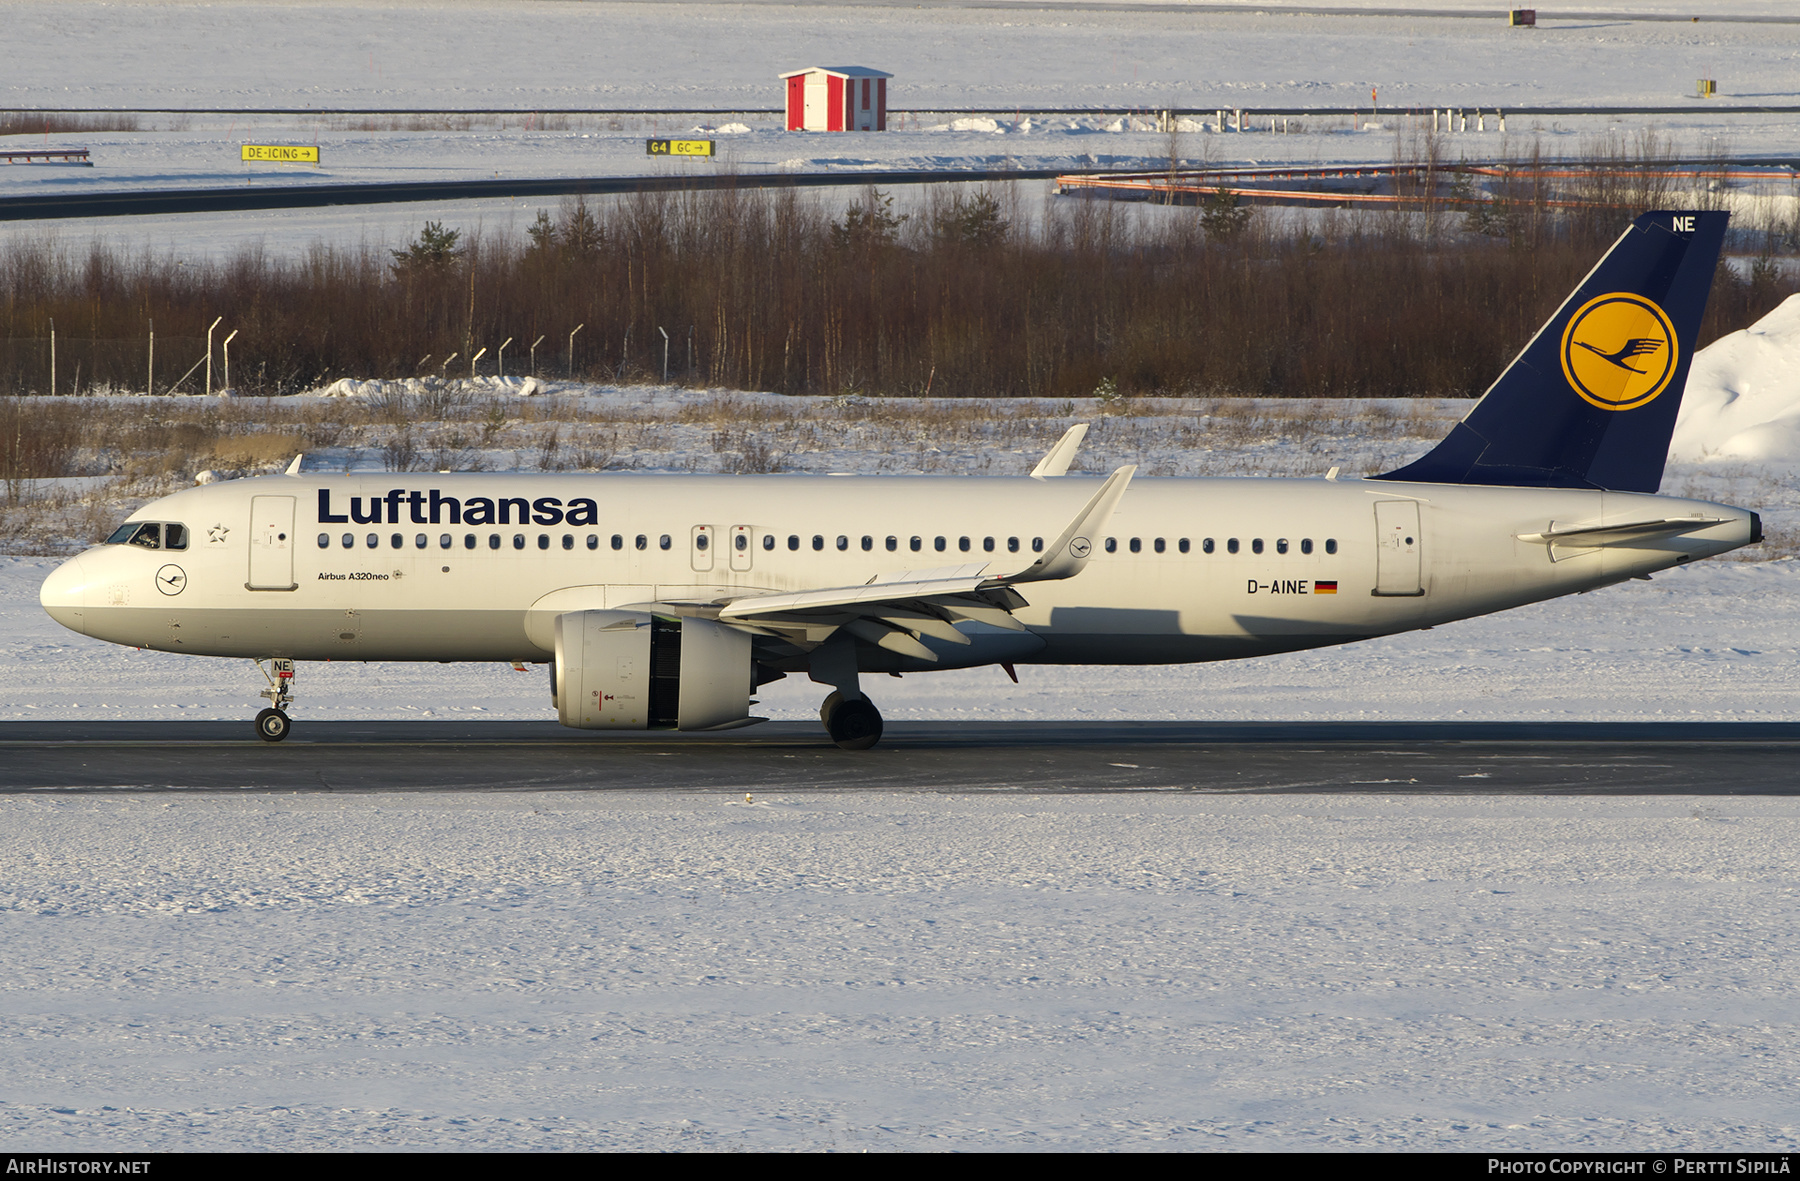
962 543
843 543
1160 545
421 541
493 541
618 541
1331 545
917 544
893 543
1137 546
987 545
444 541
1281 545
1037 545
1306 545
793 541
397 541
593 541
742 542
1256 545
324 541
768 541
468 540
1206 545
1182 545
868 543
664 541
349 541
700 542
938 544
544 541
642 542
1112 545
818 541
1231 545
518 541
1012 545
174 536
374 540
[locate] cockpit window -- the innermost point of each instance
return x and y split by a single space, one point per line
145 533
150 535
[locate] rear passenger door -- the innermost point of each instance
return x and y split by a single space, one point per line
1397 548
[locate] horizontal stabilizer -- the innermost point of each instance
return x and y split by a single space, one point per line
1596 536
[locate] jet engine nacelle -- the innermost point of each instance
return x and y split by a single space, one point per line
624 670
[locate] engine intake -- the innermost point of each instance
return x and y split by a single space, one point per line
624 670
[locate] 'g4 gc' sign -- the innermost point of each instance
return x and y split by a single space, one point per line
678 147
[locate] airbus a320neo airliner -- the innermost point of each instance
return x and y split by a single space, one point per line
663 602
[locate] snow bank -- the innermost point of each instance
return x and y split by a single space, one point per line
349 387
1743 395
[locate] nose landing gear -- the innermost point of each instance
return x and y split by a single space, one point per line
273 724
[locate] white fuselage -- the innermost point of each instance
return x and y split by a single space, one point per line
263 576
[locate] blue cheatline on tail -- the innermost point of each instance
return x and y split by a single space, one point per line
1591 401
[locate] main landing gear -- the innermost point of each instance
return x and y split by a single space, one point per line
273 724
853 725
850 718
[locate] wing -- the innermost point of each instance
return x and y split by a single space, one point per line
895 610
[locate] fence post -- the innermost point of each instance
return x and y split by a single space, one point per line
150 370
665 336
502 355
53 356
534 345
578 328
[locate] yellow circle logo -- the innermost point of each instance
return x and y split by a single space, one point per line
1619 351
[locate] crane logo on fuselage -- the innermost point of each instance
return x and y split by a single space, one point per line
1619 351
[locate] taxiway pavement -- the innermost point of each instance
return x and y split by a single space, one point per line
1385 757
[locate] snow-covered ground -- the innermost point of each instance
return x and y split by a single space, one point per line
909 971
525 55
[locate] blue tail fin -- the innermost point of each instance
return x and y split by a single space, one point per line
1592 400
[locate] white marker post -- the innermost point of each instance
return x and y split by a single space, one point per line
226 346
578 328
502 356
209 332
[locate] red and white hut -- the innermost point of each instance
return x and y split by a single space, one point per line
836 98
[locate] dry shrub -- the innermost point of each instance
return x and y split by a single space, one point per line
65 123
775 290
241 451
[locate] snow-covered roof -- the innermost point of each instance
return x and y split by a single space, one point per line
841 72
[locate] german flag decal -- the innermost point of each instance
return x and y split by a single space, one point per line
1325 587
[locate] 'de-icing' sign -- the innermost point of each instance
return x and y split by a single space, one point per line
281 153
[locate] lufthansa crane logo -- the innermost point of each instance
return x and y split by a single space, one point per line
1619 351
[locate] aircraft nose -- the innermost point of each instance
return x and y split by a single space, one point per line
63 592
